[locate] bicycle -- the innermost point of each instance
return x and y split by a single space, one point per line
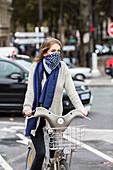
58 138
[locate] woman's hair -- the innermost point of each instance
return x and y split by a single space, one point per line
47 43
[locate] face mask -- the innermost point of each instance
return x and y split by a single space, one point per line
52 60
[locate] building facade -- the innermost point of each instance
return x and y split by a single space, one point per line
5 21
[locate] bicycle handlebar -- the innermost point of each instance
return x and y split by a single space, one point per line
55 120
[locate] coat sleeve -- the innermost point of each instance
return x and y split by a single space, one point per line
71 91
29 96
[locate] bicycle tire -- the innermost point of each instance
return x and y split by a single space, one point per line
64 165
29 159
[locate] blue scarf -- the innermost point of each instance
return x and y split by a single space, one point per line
42 96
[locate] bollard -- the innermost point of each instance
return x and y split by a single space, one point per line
95 71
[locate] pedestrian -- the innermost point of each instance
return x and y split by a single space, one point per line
48 77
88 59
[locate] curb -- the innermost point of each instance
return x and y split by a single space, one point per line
100 85
99 82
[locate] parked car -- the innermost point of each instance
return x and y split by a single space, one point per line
83 92
102 49
6 51
13 83
109 67
80 73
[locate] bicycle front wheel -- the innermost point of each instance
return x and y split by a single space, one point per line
64 165
29 160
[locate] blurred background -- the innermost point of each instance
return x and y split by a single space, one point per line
85 28
81 25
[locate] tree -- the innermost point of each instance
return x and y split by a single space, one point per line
19 14
74 15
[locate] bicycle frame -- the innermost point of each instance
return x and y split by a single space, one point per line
56 121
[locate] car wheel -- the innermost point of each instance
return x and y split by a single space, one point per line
80 77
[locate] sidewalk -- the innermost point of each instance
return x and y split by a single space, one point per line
103 80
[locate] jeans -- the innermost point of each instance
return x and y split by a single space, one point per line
39 145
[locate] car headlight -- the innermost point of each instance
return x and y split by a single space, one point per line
104 50
96 51
66 103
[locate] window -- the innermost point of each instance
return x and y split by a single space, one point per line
6 69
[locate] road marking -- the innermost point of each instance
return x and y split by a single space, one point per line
24 140
12 123
91 149
99 134
12 129
4 164
17 157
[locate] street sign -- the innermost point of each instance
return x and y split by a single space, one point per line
29 34
86 38
26 38
110 29
29 40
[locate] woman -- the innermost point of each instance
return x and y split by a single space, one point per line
47 79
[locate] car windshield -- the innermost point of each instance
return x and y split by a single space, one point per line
24 63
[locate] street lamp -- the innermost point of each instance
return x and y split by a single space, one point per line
61 20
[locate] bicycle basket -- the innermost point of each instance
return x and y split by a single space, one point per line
59 138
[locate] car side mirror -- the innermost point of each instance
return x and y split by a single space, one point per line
16 76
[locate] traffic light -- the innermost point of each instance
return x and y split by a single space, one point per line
92 29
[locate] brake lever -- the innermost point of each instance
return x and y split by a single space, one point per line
87 118
33 112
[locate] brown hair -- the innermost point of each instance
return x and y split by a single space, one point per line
47 43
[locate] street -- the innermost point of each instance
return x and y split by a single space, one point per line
97 152
33 48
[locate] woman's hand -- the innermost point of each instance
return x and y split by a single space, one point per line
84 112
28 112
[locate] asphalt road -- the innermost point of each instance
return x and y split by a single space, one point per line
97 151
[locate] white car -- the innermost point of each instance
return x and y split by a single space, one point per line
80 73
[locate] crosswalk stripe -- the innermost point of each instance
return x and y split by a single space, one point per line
4 164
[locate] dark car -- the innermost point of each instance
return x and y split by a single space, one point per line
13 84
109 67
83 92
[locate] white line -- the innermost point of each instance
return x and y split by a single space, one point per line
95 151
99 134
99 130
12 123
23 140
91 149
17 157
4 164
